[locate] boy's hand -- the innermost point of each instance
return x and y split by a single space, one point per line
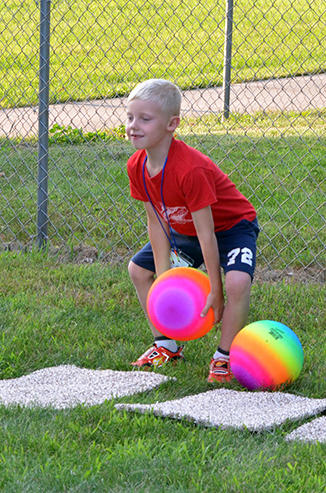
217 304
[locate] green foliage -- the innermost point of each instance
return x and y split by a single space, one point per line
61 134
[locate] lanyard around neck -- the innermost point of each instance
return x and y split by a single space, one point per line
174 244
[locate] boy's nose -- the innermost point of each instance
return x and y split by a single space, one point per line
132 124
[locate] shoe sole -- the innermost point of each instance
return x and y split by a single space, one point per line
147 366
221 379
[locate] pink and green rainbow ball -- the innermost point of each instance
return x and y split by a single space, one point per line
266 355
175 302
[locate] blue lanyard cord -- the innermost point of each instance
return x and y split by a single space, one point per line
174 244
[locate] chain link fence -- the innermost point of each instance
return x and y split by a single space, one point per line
271 140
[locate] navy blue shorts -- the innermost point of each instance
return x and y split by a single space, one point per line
237 247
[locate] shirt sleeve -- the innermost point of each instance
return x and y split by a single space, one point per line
136 185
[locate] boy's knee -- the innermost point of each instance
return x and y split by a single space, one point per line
133 270
137 273
238 284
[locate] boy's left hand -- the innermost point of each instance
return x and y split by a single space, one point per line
217 304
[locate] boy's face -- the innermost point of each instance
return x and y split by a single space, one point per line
148 127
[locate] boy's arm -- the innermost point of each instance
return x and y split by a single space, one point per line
204 224
159 240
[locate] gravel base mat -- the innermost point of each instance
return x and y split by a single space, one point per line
67 386
315 431
224 408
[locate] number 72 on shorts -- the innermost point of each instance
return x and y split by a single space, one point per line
246 256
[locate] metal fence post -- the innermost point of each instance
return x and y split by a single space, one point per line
76 192
43 121
227 58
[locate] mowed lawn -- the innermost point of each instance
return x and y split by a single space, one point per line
55 313
279 166
101 48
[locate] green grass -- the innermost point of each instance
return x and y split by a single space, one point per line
56 313
100 49
277 161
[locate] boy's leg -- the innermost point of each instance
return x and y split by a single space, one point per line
236 311
143 279
238 257
163 349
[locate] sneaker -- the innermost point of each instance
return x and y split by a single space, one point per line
157 357
220 370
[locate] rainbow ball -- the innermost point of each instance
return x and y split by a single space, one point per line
175 302
266 355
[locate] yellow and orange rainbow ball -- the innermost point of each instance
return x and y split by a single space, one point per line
266 355
175 302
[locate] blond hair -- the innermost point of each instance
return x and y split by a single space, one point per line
162 91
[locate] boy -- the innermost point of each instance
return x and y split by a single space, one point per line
191 207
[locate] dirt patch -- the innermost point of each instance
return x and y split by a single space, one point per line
88 255
306 275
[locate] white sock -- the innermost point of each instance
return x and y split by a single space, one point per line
218 354
169 344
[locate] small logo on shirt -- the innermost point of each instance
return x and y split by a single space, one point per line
176 214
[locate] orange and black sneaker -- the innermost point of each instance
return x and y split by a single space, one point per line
157 357
220 370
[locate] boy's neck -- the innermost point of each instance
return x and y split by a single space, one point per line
156 159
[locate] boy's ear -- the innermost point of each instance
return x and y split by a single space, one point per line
173 123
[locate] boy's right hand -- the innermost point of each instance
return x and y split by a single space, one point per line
217 304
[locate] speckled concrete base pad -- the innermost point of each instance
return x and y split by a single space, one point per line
67 386
226 408
315 431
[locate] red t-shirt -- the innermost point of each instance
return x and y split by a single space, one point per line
191 182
